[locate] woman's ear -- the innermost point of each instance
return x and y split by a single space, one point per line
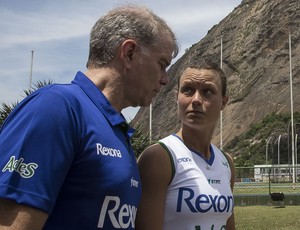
224 101
175 91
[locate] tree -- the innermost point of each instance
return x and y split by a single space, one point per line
6 109
139 141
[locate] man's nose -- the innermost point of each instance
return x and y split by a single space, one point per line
164 79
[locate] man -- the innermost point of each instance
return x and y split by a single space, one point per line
66 159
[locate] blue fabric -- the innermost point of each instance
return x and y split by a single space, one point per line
65 150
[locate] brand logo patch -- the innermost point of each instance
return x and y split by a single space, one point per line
203 203
121 216
184 159
134 183
25 170
213 181
105 151
225 163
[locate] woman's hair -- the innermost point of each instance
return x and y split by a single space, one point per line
127 22
209 65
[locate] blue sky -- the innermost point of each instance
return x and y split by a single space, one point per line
58 33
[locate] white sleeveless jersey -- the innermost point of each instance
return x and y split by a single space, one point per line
199 196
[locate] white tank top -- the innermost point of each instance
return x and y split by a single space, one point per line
199 196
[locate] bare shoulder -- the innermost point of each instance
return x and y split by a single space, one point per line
155 171
154 162
153 153
21 217
229 157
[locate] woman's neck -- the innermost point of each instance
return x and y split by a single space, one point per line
196 140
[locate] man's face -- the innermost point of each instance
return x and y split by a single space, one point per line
149 72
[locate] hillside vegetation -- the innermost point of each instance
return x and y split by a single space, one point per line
250 148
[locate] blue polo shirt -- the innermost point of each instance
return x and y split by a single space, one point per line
66 151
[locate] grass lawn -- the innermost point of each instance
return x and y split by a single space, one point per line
263 188
267 217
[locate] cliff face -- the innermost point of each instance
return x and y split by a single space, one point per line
255 54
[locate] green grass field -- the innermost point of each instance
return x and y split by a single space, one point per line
267 217
263 188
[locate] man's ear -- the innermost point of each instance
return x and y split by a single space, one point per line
128 49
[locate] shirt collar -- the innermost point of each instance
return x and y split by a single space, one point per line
115 118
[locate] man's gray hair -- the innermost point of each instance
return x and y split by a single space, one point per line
127 22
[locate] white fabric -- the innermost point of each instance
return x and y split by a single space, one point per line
199 195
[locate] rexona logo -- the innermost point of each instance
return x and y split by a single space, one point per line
105 151
120 216
203 203
25 170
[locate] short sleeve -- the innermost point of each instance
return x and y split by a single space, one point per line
38 143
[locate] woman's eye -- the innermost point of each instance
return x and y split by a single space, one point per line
187 90
208 92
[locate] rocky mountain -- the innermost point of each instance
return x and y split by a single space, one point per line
255 39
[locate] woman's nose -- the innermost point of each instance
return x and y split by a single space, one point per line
197 99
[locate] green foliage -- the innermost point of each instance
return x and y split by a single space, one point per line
37 85
267 217
139 141
249 148
6 109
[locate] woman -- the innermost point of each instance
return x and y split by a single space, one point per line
187 182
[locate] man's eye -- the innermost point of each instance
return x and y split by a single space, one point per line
162 66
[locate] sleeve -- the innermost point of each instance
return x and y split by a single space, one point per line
37 147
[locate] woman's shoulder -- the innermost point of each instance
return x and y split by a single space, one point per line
154 153
155 162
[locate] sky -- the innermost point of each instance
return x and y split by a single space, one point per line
49 39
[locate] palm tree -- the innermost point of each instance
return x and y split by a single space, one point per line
139 141
5 109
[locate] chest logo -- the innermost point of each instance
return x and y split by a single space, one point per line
105 151
225 163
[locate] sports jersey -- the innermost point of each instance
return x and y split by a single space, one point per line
66 151
199 195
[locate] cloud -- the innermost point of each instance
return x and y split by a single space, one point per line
58 32
32 28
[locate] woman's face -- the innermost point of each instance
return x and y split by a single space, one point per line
200 97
